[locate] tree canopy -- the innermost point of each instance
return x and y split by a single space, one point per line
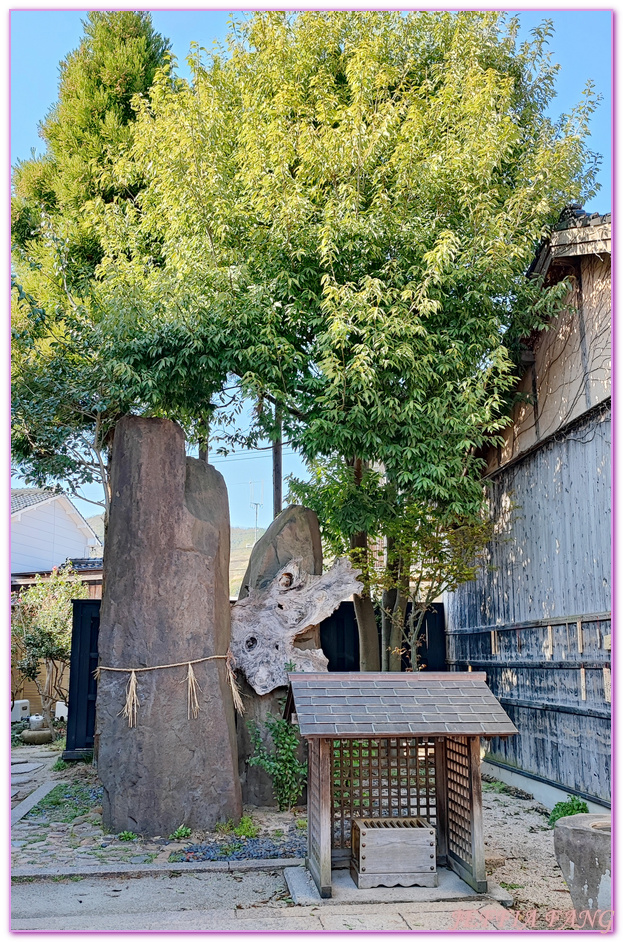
345 205
338 210
65 399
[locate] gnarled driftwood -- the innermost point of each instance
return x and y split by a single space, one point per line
266 625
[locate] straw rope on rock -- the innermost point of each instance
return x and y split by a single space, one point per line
132 702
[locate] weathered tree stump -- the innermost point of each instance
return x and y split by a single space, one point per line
165 601
283 599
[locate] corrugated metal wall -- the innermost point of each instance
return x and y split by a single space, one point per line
548 570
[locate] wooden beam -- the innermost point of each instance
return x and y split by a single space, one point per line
441 798
478 840
324 769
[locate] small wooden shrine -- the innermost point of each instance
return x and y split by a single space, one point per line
395 746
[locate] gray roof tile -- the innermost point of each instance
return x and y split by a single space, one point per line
410 704
23 497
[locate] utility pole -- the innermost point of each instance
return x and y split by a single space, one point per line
278 465
257 504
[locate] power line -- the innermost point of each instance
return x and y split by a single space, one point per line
229 459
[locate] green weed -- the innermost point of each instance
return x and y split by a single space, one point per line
246 828
498 787
563 809
128 836
180 833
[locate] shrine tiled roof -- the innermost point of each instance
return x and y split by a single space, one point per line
351 705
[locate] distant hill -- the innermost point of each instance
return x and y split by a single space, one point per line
242 539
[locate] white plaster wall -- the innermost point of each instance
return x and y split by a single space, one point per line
44 536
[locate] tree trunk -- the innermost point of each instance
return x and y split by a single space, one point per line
46 695
277 467
388 602
369 659
368 633
415 626
204 445
397 629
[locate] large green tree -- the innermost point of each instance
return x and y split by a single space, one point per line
346 204
338 211
65 398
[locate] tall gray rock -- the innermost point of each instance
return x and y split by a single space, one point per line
165 600
293 534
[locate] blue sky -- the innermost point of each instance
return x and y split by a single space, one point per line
581 45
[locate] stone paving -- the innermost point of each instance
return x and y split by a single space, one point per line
70 835
30 767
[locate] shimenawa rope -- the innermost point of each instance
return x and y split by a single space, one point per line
131 691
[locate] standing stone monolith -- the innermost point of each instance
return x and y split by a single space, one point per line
293 534
165 601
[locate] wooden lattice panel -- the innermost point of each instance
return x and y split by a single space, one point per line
459 799
377 778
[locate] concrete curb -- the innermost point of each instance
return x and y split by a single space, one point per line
18 812
198 866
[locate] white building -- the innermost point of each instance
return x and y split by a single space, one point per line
46 531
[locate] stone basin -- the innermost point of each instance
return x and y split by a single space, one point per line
582 844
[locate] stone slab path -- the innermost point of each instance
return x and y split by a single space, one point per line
251 901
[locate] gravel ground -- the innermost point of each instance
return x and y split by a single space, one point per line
519 851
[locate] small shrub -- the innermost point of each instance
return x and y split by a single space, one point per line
287 772
563 809
128 836
497 787
16 730
246 828
180 833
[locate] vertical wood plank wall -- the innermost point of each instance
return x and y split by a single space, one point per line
547 570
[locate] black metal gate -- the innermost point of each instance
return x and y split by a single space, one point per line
82 683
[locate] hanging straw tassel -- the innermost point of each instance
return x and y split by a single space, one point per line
131 701
193 687
230 663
